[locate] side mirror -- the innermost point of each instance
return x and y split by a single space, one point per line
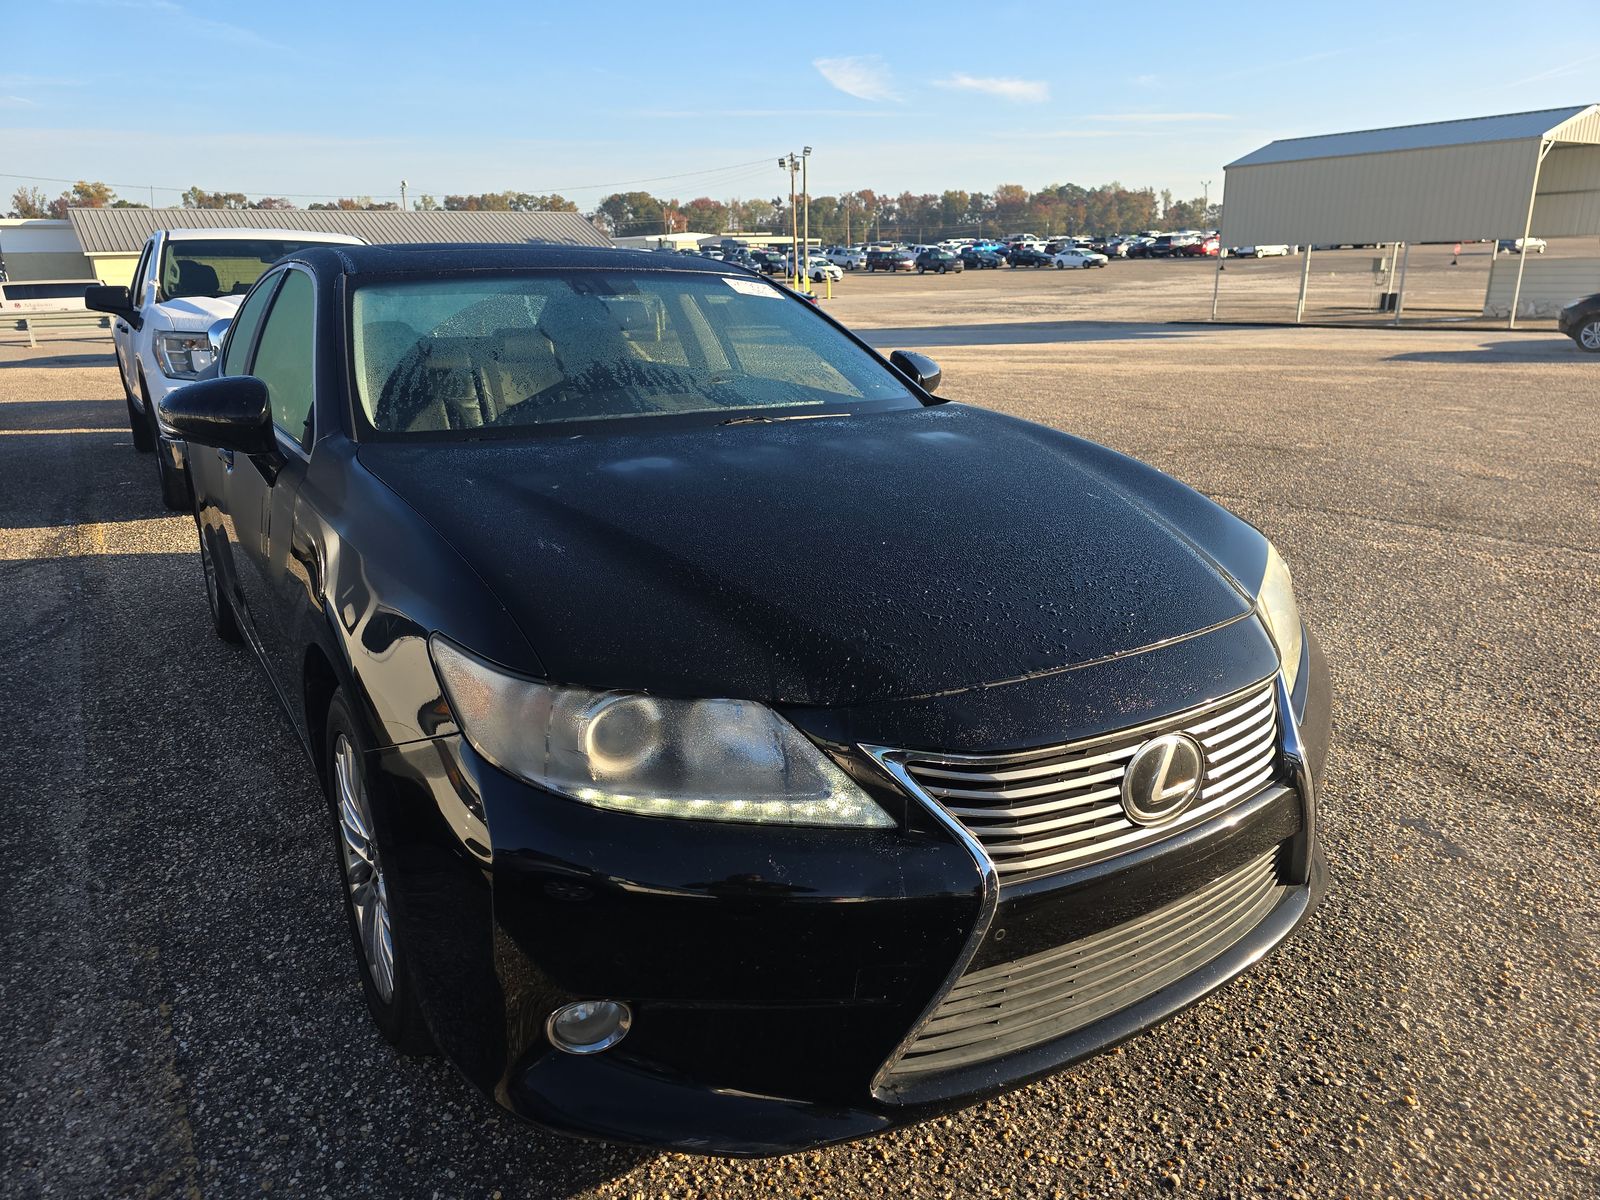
109 299
231 413
920 367
216 333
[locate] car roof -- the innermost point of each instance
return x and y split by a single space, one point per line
187 234
427 258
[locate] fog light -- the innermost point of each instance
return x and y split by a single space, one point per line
589 1026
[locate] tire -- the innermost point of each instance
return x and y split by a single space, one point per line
1087 264
142 441
1587 335
224 622
922 270
941 268
1060 266
380 955
174 484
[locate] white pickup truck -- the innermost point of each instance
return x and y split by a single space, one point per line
186 281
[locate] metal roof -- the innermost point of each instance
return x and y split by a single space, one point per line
1545 123
125 230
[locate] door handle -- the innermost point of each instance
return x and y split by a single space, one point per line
226 456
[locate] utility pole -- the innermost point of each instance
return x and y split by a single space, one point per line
1205 206
805 193
402 195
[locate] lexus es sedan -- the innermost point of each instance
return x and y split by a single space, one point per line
729 745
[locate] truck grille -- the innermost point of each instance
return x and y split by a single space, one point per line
1037 812
1003 1009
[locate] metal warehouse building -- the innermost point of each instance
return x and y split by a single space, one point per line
113 237
1489 178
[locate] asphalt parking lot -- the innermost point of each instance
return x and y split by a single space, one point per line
175 984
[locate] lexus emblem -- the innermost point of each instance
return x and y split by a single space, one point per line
1162 779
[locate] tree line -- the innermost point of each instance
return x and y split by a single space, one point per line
864 215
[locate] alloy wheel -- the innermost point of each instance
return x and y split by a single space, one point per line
369 898
1589 336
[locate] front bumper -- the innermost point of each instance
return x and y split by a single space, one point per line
773 973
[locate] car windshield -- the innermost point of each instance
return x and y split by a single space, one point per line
502 354
220 267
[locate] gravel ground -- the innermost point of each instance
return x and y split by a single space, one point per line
175 983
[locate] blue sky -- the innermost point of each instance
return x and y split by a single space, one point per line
324 99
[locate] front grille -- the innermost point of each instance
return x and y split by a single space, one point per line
1040 811
1003 1009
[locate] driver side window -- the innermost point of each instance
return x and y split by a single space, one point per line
284 356
242 335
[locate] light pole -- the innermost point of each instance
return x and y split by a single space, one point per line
791 163
1205 205
402 195
805 195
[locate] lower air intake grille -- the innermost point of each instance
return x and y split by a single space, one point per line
1003 1009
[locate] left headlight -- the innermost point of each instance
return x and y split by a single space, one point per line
713 760
184 355
1275 601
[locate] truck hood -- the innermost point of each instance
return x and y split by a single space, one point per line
821 562
196 313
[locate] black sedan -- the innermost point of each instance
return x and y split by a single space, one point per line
1580 321
1027 256
975 259
730 746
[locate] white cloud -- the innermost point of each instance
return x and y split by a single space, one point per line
866 77
1162 118
1019 91
16 102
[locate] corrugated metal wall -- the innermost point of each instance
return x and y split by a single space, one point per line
1435 195
1569 193
1548 284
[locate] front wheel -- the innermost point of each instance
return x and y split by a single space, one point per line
143 442
380 955
941 270
224 623
1588 335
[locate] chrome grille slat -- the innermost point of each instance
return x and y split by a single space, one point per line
1024 1007
1057 807
1009 1007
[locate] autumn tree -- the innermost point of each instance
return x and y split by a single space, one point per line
82 195
30 203
199 198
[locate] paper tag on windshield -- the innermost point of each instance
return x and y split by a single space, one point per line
752 287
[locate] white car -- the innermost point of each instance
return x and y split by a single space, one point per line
1518 245
849 257
819 268
1082 258
187 281
1260 252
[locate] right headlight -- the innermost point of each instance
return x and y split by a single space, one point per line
713 760
1275 602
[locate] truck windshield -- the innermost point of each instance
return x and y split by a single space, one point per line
220 267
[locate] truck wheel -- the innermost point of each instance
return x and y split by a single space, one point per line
142 441
174 483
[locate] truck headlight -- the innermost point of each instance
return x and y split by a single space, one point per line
713 760
1275 602
184 355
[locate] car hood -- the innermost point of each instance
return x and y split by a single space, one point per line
818 562
196 312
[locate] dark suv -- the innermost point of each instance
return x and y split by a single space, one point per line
889 260
1580 321
938 261
1027 256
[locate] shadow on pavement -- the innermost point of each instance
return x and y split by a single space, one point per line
104 358
1555 349
1021 333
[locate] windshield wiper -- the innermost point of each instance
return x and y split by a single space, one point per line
790 417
